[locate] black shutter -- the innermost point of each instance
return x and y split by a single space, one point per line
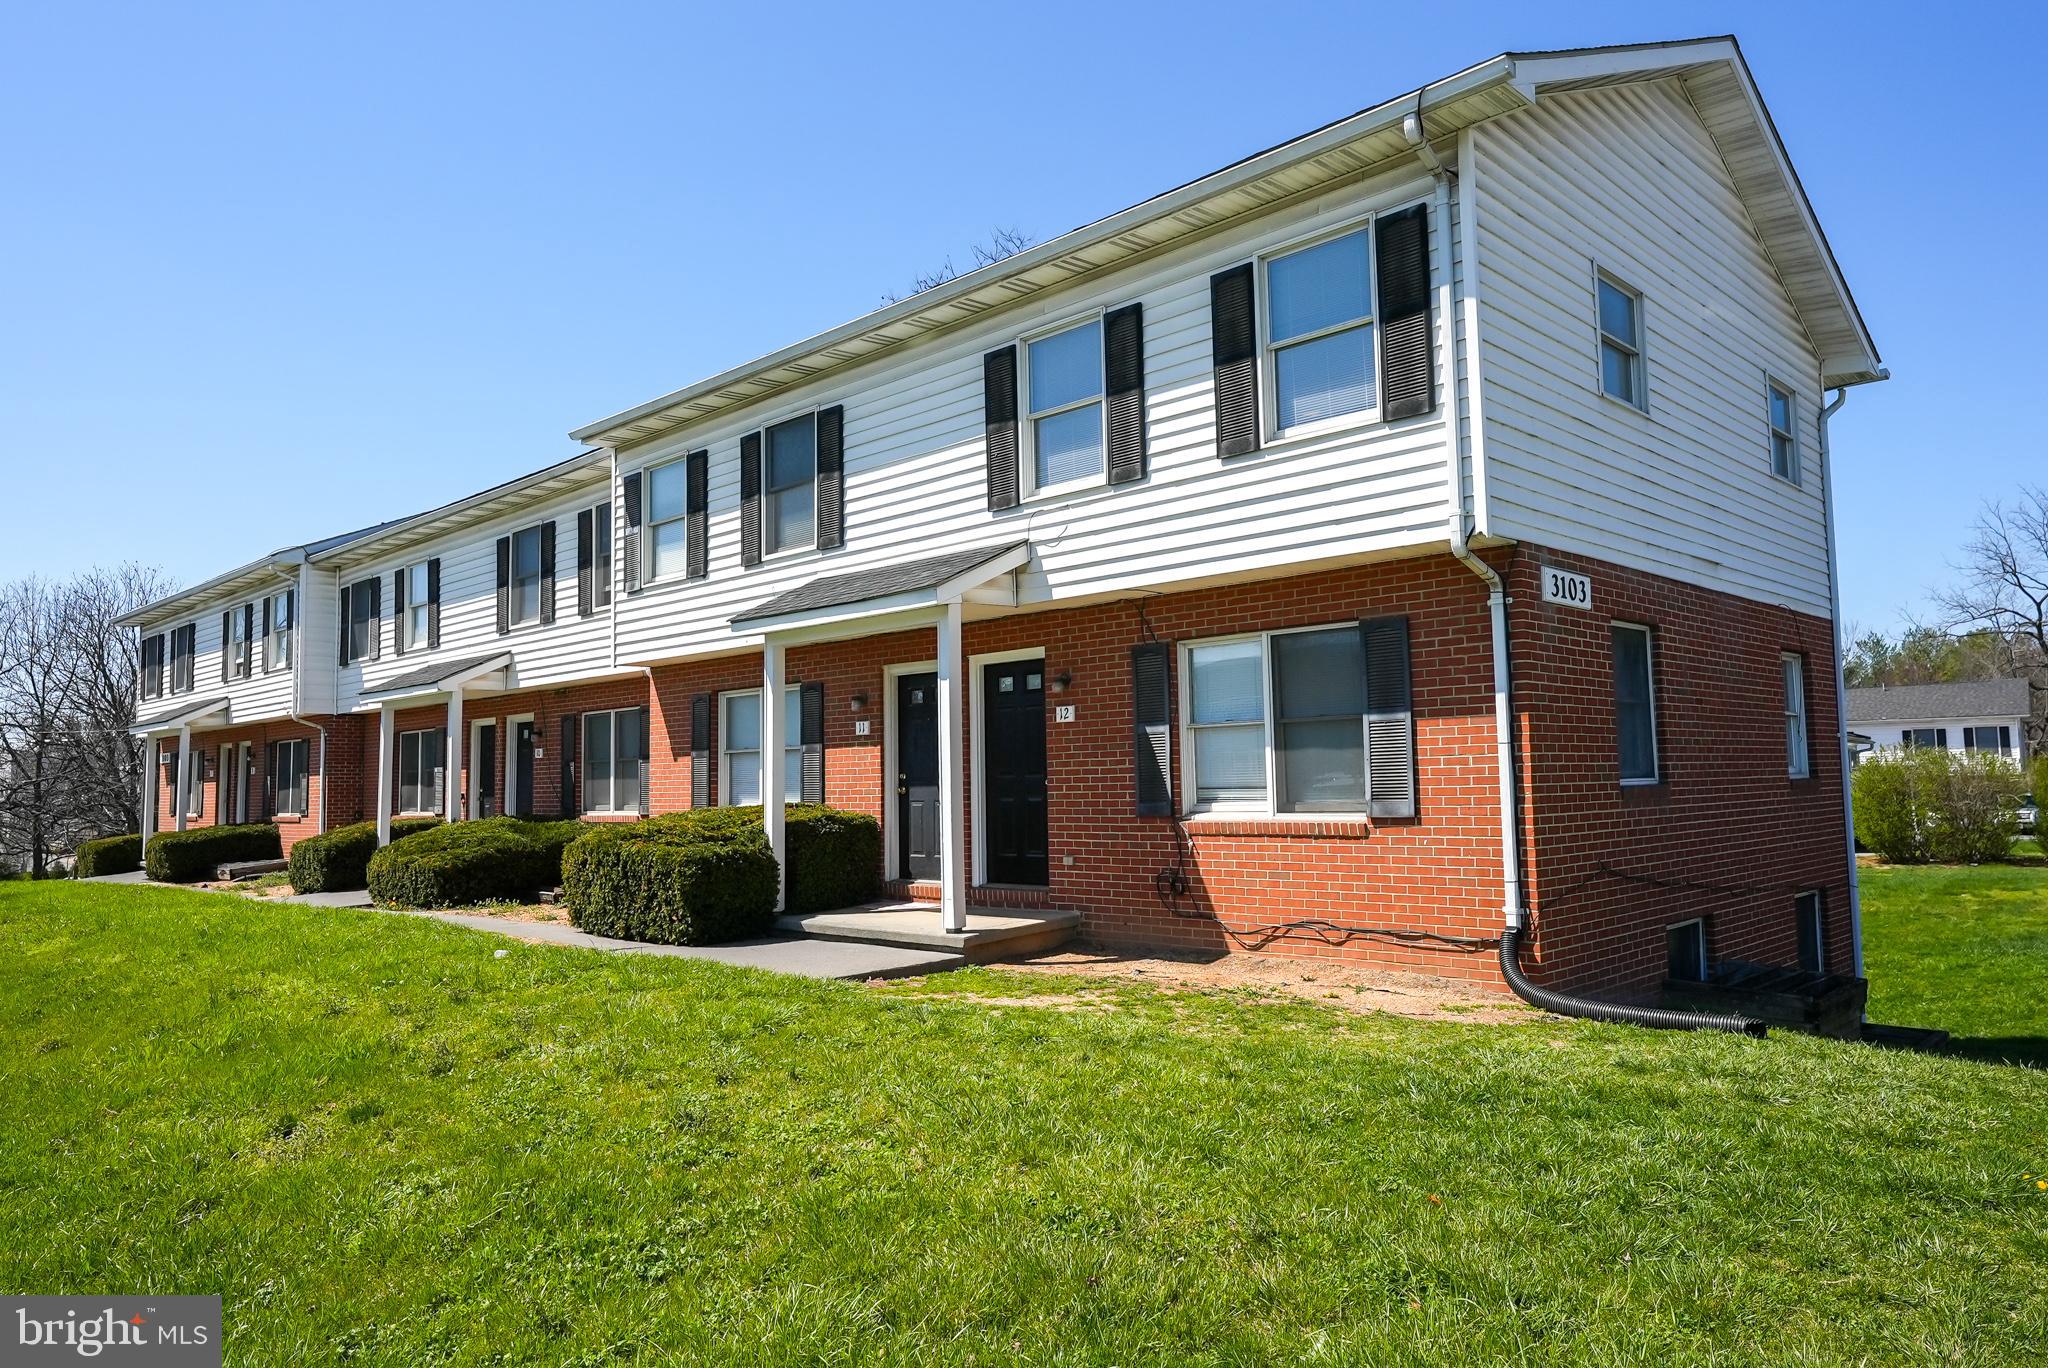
750 499
1123 369
434 603
504 585
245 663
1151 719
263 650
153 666
398 612
1401 239
568 766
376 617
585 556
697 528
547 571
2005 740
831 477
999 425
227 622
700 751
1389 718
347 593
629 543
646 769
1234 351
811 736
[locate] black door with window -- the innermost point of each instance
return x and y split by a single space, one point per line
1013 752
484 765
917 776
522 769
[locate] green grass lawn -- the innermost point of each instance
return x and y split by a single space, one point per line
382 1143
1964 949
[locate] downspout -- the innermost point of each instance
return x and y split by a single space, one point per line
1514 914
1827 497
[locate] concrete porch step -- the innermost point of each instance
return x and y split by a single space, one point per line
989 935
249 869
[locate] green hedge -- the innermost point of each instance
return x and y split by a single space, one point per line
458 864
190 856
1931 805
108 855
694 878
339 861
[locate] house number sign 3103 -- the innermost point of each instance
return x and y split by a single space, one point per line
1562 586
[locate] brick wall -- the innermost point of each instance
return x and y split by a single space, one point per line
218 800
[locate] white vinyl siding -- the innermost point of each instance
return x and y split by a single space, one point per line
739 739
1798 761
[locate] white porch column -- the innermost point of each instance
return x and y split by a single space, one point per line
772 742
451 789
952 788
185 786
152 759
387 747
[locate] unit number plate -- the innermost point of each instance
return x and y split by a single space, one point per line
1562 586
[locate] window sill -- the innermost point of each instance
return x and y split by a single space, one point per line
1639 410
1654 794
1295 826
1279 439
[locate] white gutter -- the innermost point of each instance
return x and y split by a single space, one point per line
1496 593
1827 490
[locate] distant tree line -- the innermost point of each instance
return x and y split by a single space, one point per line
69 770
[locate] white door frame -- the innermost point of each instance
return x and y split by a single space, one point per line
509 728
977 760
225 777
246 755
473 794
892 859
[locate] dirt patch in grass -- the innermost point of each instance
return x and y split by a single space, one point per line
519 912
1355 988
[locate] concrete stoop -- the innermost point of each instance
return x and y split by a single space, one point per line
915 925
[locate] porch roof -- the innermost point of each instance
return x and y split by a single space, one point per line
889 588
442 675
179 716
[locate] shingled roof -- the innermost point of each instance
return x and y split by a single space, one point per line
1940 702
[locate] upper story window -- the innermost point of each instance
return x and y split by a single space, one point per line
1621 342
739 733
151 677
1063 379
184 647
238 647
415 618
668 521
277 633
524 604
1798 763
1319 330
362 597
791 484
601 555
1635 704
1781 409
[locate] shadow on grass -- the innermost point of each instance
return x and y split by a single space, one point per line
2025 1052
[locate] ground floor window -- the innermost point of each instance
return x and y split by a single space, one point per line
1813 952
739 731
288 777
1685 952
422 766
1935 737
1997 740
1279 719
195 787
1635 706
614 754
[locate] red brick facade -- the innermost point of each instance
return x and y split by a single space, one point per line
1724 835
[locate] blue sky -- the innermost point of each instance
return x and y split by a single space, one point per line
269 273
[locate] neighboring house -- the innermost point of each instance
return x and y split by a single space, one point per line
1984 715
1164 570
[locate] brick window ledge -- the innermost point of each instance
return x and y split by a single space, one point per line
1201 827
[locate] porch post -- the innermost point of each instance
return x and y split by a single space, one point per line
182 799
387 745
451 788
772 740
152 758
952 789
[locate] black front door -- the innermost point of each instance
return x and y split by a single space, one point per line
1013 701
917 776
522 769
484 765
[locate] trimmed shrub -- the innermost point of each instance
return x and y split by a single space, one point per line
190 856
339 861
687 878
835 858
457 864
1925 805
108 855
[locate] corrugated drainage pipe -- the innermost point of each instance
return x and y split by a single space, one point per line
1658 1018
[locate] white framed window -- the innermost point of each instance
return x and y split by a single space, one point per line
1276 721
1781 411
195 786
524 604
789 484
1798 762
614 761
288 778
184 648
1685 951
1996 740
422 768
1809 909
1621 341
601 554
1635 702
238 641
739 744
1912 738
667 522
1320 357
277 643
415 620
362 619
1064 420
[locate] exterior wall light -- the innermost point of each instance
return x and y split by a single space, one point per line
1061 682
